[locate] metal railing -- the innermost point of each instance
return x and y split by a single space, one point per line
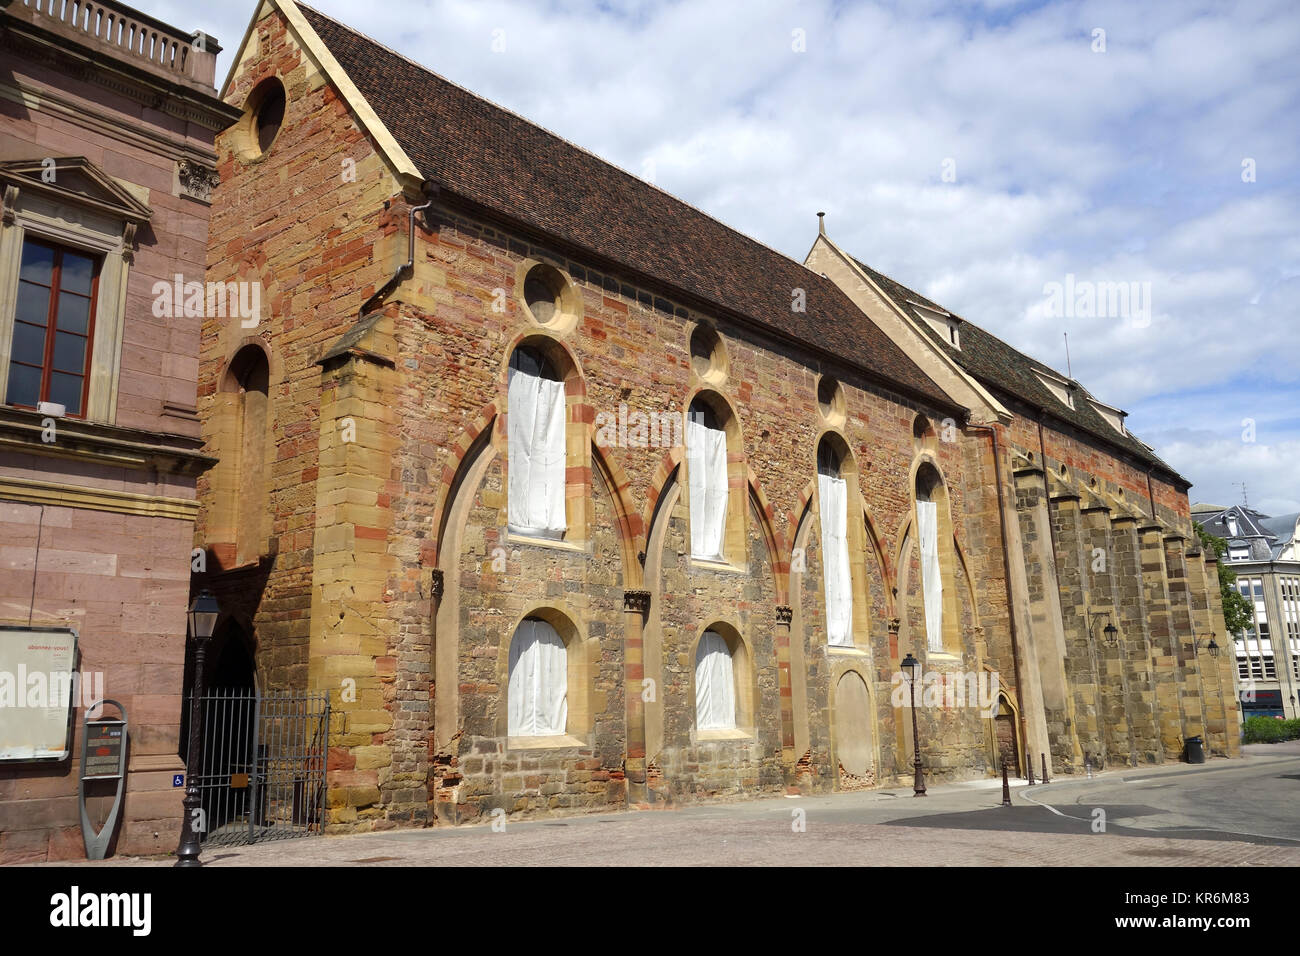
128 32
263 771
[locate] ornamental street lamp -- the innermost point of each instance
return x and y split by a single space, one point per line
202 617
1110 631
910 666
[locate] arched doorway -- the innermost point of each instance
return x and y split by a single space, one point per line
1005 738
228 717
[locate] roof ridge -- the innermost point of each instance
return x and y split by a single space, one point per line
963 318
549 132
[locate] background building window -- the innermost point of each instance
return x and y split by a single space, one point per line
706 452
538 700
536 415
54 321
832 492
715 684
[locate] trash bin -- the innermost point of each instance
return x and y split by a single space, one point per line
1194 750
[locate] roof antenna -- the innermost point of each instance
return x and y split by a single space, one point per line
1068 370
1244 502
821 224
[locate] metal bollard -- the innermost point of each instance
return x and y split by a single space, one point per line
1044 756
1006 787
1029 768
1087 765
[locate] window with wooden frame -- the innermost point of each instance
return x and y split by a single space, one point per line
54 325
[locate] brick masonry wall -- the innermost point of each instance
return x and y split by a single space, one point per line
363 532
319 240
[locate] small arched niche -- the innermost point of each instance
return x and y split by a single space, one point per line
830 401
924 438
242 421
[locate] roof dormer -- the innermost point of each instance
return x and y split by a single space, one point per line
947 325
1114 416
1062 388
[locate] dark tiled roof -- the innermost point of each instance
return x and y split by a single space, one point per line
1001 368
500 161
1251 524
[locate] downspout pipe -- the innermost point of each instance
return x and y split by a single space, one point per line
430 190
1047 488
1006 570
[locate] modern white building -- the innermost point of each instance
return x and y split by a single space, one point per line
1265 554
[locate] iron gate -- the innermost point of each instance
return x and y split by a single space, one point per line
263 772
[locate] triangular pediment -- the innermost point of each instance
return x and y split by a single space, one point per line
74 179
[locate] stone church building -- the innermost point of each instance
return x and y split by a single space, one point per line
574 498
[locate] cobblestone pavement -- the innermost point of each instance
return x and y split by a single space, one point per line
957 824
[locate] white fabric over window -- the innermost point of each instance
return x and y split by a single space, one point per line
833 493
715 684
927 521
538 696
536 416
706 452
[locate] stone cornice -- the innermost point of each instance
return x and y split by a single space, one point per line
62 495
105 122
181 97
23 432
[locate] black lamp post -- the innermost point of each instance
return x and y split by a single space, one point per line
202 616
910 666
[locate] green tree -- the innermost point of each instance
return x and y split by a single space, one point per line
1238 613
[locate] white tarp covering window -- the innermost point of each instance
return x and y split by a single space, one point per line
927 522
536 415
706 451
538 698
833 493
715 685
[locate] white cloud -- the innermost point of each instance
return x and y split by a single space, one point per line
1115 166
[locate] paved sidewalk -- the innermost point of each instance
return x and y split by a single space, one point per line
961 824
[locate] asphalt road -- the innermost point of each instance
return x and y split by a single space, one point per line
1226 813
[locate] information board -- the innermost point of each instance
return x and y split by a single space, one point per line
104 739
36 692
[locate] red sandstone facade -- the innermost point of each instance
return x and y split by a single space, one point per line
105 156
357 523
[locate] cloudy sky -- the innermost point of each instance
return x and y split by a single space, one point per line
976 151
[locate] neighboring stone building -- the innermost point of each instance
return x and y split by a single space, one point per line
1265 554
106 165
457 492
